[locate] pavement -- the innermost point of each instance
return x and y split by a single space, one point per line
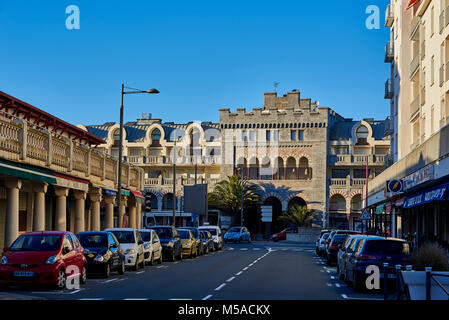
254 271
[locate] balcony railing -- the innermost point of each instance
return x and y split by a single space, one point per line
423 49
27 143
389 52
344 160
414 106
446 16
442 76
168 182
187 160
389 89
389 127
389 17
347 182
447 71
414 145
442 25
414 26
423 96
414 65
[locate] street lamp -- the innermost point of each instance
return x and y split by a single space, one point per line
132 91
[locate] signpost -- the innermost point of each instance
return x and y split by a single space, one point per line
267 217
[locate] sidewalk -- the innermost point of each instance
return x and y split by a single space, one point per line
12 296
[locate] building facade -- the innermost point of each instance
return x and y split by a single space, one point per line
154 146
419 52
52 177
301 153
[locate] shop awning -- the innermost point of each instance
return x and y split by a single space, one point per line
137 194
380 209
125 192
24 171
71 182
426 196
109 193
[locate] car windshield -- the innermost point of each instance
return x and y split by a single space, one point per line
37 242
386 247
194 233
184 234
204 235
163 233
146 236
234 230
93 240
339 238
124 236
325 236
212 231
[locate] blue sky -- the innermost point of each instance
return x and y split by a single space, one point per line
202 55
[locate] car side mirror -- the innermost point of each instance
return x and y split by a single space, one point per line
140 242
65 250
113 246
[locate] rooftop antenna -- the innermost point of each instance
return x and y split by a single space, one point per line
276 84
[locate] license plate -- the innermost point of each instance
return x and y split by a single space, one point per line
23 274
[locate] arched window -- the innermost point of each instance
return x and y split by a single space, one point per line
362 135
155 137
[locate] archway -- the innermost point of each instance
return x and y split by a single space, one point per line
276 225
291 173
297 201
337 212
167 202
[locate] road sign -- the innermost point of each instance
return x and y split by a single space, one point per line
395 186
365 215
267 213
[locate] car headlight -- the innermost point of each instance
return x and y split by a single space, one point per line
99 258
130 251
147 246
169 244
51 260
4 261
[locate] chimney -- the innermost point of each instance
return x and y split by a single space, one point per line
270 100
293 99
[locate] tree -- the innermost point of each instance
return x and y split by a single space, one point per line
299 216
227 195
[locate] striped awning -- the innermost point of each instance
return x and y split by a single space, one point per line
27 172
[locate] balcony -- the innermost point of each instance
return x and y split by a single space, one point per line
446 15
423 49
346 159
336 183
168 182
442 76
389 16
389 127
389 52
414 106
27 143
442 25
414 26
414 65
389 89
414 145
422 99
447 71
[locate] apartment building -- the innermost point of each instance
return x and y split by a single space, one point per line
418 53
154 145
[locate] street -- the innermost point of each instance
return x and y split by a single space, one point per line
254 271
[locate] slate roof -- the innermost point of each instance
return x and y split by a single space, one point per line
343 130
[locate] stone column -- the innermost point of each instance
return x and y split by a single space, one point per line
13 186
80 198
132 213
30 203
122 211
139 216
39 190
109 217
61 208
95 198
159 203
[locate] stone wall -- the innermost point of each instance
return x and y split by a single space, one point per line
304 235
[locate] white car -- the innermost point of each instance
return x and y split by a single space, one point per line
216 235
152 247
132 245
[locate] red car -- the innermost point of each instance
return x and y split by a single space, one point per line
48 257
283 234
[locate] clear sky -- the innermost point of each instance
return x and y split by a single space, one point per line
202 55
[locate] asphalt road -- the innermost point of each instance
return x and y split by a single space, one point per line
254 271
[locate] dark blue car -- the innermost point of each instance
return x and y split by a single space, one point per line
376 251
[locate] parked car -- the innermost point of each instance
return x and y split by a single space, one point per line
189 243
320 245
334 244
208 241
283 234
216 235
152 247
43 258
374 250
197 234
132 245
237 234
103 252
346 250
170 241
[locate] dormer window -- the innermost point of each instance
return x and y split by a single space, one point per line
155 138
362 135
116 138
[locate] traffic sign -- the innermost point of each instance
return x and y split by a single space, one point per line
365 215
395 186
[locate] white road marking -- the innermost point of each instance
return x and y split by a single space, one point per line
220 287
337 285
207 297
251 264
76 291
332 277
354 298
321 270
136 299
111 280
91 299
122 279
140 272
162 267
230 279
329 284
243 249
239 273
246 268
178 299
256 249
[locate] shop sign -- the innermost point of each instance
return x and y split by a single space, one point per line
423 175
425 197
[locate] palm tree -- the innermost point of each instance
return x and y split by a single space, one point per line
299 216
227 195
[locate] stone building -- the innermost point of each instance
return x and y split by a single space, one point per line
52 177
151 145
291 147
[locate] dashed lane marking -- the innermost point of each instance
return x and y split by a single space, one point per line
140 272
180 299
220 287
136 299
91 299
230 279
239 273
207 297
355 298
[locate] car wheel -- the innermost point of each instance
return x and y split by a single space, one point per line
83 277
151 263
160 259
107 271
142 264
180 255
136 265
173 256
122 268
62 279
